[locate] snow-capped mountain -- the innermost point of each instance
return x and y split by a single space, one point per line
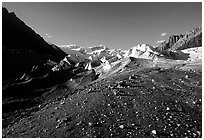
73 47
98 52
142 51
88 50
110 59
92 53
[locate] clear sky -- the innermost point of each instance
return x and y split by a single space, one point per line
115 25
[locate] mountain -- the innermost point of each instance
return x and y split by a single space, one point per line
22 47
95 52
75 51
109 59
169 43
142 51
97 91
191 39
112 55
32 68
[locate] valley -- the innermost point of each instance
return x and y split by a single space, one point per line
69 91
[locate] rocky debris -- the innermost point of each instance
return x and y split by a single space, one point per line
149 103
154 132
46 80
134 97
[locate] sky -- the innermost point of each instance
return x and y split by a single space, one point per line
117 25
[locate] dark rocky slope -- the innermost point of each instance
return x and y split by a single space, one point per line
27 62
135 98
22 47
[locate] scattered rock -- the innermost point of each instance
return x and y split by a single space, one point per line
121 126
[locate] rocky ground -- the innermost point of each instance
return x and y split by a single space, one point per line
144 92
150 101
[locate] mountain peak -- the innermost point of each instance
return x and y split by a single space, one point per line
27 46
99 47
192 38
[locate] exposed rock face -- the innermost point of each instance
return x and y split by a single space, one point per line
170 42
173 39
22 47
191 39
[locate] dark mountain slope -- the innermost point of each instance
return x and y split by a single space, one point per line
134 98
22 47
17 35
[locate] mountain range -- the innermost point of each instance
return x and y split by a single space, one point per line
74 91
168 49
191 39
28 46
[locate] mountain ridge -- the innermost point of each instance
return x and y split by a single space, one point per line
190 39
20 43
139 92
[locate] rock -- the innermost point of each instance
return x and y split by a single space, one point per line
121 126
153 132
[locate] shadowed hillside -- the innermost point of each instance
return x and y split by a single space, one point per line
143 92
22 47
